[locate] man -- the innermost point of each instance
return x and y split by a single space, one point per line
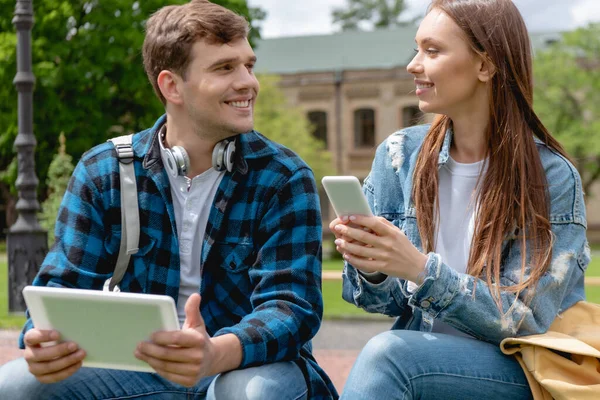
235 241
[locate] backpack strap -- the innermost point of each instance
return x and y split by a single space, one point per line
130 217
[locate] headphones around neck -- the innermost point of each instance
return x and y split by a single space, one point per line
178 162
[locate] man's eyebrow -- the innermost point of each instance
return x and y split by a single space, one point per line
230 60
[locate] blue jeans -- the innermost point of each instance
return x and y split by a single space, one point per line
277 381
411 365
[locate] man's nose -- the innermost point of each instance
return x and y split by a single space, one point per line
245 79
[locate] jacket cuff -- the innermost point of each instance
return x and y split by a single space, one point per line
439 287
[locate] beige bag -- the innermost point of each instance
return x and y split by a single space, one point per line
572 374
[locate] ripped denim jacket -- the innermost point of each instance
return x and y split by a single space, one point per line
446 294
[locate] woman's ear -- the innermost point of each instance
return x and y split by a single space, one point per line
169 85
487 70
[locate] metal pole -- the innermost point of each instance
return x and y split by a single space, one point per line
26 240
339 79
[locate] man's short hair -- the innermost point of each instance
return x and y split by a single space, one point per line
172 31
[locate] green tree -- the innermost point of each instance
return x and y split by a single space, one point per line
278 121
90 84
567 94
60 171
378 13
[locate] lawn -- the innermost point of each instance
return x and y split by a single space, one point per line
6 320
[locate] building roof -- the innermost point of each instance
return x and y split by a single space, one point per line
349 50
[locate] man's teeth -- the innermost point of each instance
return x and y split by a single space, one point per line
424 85
240 104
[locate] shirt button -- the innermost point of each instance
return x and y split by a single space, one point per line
425 303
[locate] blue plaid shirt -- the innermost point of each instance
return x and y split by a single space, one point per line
261 254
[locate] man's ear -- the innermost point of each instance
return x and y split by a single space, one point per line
487 70
169 84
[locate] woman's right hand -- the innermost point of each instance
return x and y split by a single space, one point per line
51 363
345 220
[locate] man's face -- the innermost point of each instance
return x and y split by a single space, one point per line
220 88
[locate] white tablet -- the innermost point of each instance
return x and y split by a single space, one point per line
107 325
346 195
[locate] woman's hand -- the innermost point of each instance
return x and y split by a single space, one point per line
373 244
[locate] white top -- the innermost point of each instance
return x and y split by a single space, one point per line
456 196
192 201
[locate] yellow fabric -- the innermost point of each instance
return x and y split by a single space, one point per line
571 376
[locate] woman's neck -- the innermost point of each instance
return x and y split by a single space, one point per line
469 143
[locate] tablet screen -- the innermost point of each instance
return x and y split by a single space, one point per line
144 318
107 325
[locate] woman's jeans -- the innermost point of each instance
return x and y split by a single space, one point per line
277 381
411 365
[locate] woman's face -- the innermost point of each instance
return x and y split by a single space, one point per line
447 72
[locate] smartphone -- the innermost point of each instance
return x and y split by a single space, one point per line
346 195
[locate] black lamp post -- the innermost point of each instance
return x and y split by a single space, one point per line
27 240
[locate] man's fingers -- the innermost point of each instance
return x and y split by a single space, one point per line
167 353
35 337
43 354
187 338
181 373
193 319
56 367
60 375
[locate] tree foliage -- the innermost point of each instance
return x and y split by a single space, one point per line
90 82
567 94
60 171
278 121
378 13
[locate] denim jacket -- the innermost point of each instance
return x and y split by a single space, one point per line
446 294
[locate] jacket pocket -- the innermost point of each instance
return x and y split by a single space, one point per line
235 257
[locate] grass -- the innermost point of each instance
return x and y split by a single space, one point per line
336 307
333 265
7 321
593 268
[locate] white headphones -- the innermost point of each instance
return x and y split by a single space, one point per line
222 155
178 162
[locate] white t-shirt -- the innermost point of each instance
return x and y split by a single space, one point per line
457 198
192 201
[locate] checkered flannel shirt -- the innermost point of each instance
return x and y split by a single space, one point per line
261 254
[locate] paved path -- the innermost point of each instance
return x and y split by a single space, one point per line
335 347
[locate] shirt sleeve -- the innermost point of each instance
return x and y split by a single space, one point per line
78 257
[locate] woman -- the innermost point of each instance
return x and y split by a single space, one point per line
479 227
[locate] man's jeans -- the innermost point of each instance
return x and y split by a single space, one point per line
411 365
277 381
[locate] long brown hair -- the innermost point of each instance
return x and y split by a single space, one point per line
512 196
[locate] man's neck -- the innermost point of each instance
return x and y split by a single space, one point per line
198 149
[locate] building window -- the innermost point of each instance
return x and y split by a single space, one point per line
364 127
318 120
411 116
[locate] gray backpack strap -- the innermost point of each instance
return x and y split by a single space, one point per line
130 217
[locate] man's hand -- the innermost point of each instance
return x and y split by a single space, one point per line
52 363
184 356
